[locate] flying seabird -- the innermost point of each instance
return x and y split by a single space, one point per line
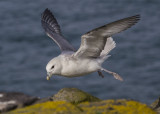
93 51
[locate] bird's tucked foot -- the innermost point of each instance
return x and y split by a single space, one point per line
100 74
116 76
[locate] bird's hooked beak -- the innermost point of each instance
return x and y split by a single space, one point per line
48 76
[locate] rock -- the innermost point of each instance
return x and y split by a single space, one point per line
156 105
73 101
105 107
42 100
12 100
7 105
73 95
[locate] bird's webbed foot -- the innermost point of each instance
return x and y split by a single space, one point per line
116 76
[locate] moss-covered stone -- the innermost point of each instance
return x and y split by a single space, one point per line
116 107
57 107
73 95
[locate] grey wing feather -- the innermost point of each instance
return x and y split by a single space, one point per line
93 42
52 29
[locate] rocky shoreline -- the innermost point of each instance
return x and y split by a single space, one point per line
72 101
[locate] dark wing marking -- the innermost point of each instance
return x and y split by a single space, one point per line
52 29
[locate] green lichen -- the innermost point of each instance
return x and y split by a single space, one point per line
73 95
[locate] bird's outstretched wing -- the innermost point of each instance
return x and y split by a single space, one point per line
93 42
52 29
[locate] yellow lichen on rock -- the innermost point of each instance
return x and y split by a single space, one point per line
116 106
101 107
49 108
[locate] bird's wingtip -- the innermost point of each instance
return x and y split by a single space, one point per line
46 11
136 17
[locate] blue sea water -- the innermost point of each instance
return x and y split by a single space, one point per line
25 49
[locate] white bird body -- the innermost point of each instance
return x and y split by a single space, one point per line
79 66
75 67
93 51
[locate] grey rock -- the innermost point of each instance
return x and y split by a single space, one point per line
42 100
156 105
12 100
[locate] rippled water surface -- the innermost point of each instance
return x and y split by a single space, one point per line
25 49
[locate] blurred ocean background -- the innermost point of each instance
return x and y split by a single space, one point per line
25 49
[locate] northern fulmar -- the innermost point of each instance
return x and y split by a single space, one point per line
93 51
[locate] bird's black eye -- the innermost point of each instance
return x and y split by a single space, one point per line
52 67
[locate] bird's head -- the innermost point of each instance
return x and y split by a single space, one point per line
53 67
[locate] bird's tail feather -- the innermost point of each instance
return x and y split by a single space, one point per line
110 44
